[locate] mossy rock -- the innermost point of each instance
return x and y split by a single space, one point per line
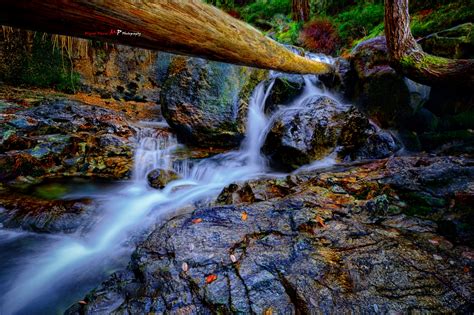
454 43
205 102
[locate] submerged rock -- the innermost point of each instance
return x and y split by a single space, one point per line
159 178
45 216
206 102
335 242
315 129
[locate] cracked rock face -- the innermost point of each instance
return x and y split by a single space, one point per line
331 243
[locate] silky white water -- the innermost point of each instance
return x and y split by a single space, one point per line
130 209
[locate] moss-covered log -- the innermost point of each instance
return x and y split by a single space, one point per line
188 27
409 58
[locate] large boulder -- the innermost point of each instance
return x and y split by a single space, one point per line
65 138
386 96
206 102
319 126
336 242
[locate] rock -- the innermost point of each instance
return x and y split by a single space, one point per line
455 43
254 191
307 249
375 79
342 80
206 102
285 88
159 178
41 215
66 138
318 127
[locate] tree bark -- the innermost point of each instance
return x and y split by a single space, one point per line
409 58
188 27
300 10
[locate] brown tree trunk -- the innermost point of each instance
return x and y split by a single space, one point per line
188 27
409 58
300 10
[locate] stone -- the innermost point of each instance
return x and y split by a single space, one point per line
455 43
159 178
206 102
66 138
320 126
375 79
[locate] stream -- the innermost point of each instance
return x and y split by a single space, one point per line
44 274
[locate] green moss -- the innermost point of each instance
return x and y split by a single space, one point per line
421 204
426 61
50 191
442 17
44 66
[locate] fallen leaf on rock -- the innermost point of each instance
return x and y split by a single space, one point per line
437 257
198 220
82 302
321 221
233 258
211 278
185 267
466 269
268 311
244 216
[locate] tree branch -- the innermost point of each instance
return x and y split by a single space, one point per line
409 58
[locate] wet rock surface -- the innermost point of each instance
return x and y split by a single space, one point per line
45 216
206 102
335 241
302 135
285 88
65 138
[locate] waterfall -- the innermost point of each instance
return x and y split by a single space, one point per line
131 209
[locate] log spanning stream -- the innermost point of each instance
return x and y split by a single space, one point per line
188 27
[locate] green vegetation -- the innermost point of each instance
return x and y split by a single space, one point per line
352 20
45 65
359 20
440 17
51 191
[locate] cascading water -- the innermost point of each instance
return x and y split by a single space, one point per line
130 209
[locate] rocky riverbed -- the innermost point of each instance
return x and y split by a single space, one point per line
390 236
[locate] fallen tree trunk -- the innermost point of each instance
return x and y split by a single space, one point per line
188 27
409 58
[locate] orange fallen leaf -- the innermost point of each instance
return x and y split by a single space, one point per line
198 220
321 221
268 311
82 302
211 278
244 216
466 269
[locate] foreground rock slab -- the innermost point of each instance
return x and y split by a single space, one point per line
337 241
